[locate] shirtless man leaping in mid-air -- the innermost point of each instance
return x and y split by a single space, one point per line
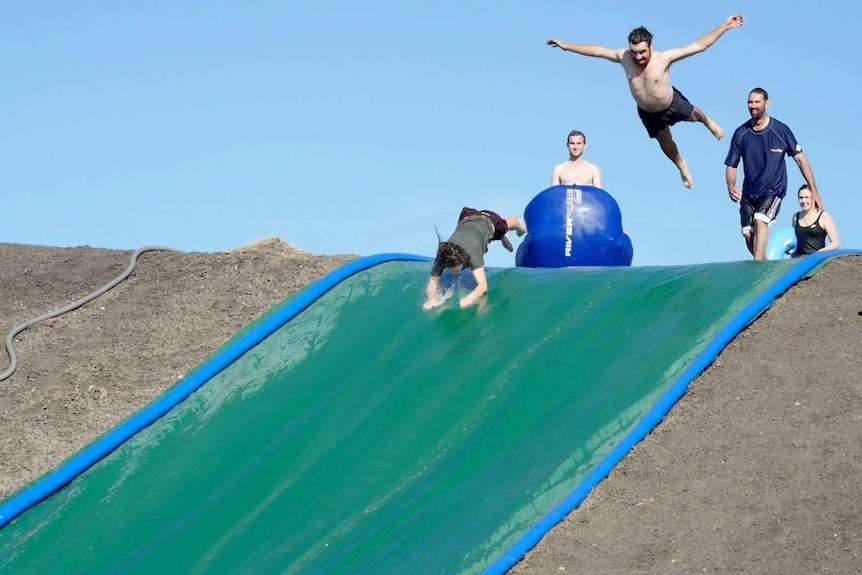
576 171
660 105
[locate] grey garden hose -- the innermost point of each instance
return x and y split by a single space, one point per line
10 348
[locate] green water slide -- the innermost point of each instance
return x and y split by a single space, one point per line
365 435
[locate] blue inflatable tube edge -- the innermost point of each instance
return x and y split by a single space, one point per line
79 463
663 405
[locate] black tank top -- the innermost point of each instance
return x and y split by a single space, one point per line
809 238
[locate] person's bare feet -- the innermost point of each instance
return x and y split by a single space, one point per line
716 130
686 176
522 227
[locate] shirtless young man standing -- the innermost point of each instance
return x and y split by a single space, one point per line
576 171
660 105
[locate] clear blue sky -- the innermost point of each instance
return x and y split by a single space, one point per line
356 127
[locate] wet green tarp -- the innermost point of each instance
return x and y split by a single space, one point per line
369 436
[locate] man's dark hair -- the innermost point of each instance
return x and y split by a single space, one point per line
452 255
640 34
576 133
760 91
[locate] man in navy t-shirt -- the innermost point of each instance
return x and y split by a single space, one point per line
762 144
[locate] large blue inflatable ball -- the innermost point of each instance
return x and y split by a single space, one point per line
574 226
782 242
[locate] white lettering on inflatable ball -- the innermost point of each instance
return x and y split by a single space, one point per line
573 197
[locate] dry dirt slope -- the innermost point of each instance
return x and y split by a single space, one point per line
756 470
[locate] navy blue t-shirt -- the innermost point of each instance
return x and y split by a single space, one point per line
762 154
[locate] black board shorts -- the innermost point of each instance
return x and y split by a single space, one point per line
680 109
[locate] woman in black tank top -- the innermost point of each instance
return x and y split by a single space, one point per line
812 227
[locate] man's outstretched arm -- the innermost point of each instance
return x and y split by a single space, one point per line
808 174
705 41
480 289
431 293
730 173
614 55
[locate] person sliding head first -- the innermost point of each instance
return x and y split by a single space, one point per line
660 105
466 247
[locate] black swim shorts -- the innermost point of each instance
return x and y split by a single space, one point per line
680 109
